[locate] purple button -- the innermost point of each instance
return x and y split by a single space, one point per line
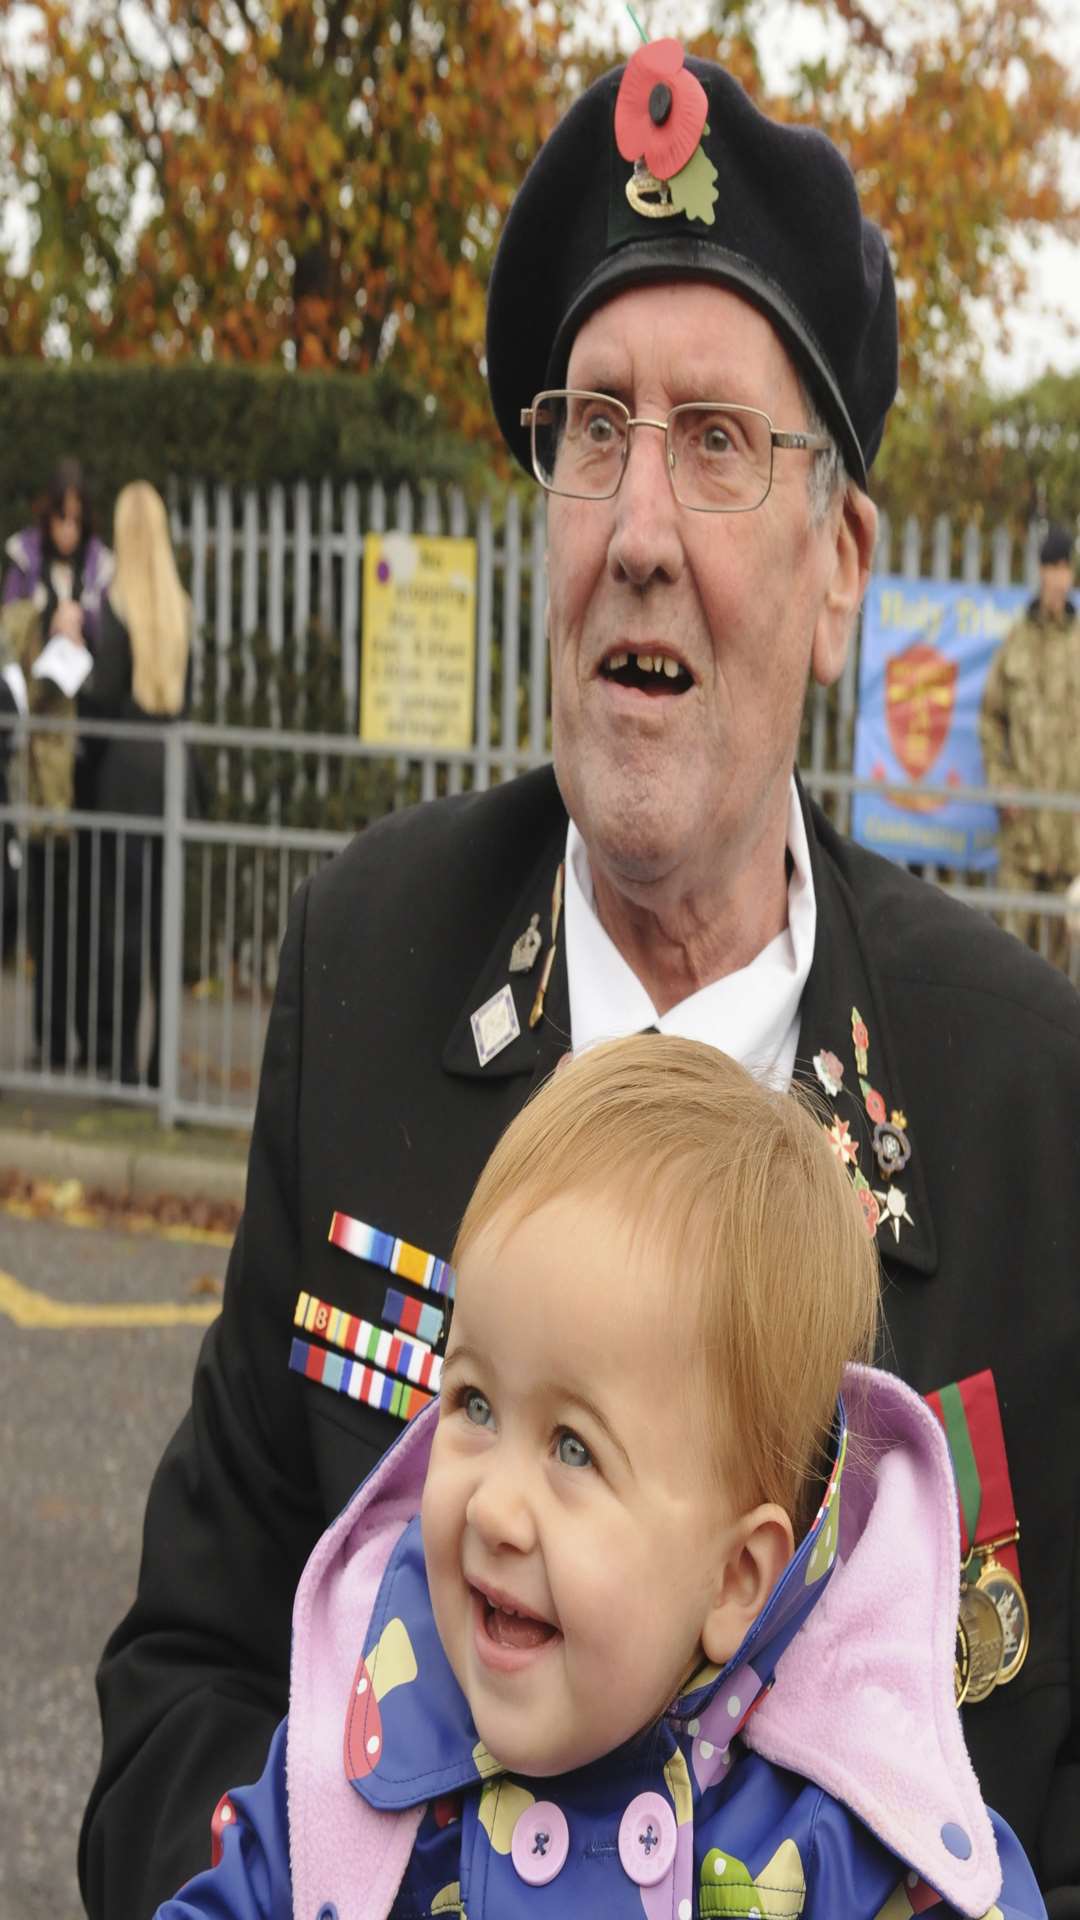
540 1844
647 1836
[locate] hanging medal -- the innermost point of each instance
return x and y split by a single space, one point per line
997 1647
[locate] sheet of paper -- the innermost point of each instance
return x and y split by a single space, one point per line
64 663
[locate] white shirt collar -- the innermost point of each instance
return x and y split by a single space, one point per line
753 1014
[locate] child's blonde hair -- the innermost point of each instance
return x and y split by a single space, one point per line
739 1189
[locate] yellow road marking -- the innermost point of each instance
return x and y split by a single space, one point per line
29 1309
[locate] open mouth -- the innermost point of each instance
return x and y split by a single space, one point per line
651 673
510 1628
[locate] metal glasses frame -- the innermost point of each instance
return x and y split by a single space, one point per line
778 437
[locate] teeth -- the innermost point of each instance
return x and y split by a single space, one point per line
645 662
617 660
671 667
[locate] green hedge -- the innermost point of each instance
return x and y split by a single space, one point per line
243 425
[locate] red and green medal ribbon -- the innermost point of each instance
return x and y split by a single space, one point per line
971 1418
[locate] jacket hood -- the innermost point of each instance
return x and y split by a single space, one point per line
859 1634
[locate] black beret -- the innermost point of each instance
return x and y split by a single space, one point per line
786 232
1057 546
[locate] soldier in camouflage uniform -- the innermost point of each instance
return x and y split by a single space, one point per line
1029 729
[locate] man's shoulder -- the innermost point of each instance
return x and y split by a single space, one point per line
455 850
923 940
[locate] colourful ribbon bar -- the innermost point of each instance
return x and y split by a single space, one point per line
969 1413
360 1382
415 1316
391 1351
397 1256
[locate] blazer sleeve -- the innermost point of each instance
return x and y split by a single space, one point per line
1060 1838
251 1880
194 1680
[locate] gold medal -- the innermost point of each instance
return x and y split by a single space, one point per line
981 1622
961 1664
1012 1609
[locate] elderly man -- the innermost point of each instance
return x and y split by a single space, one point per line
692 345
1029 729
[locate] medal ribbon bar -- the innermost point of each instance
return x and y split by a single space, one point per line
397 1256
360 1382
971 1418
392 1351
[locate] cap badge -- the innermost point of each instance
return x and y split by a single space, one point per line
660 113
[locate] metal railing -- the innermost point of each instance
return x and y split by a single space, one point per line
120 926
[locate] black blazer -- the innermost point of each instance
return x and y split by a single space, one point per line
372 1101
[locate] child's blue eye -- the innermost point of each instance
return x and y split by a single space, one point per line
573 1452
477 1408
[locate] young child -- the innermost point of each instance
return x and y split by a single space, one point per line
640 1618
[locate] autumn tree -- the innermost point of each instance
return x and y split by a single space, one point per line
323 180
314 180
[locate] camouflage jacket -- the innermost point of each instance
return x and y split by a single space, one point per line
1029 730
43 769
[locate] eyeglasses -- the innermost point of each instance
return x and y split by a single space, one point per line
719 456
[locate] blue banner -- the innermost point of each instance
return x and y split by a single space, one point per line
926 650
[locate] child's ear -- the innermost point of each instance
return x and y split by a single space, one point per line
758 1549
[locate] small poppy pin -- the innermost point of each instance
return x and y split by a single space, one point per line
830 1071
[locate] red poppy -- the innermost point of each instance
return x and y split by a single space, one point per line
869 1206
860 1035
660 109
875 1105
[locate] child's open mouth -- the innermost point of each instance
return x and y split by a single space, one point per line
515 1629
508 1637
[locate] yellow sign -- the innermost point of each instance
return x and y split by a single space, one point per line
418 664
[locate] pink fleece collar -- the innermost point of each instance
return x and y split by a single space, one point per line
863 1703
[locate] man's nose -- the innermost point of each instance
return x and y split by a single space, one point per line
500 1510
646 543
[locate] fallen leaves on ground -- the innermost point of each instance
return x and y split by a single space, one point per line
211 1222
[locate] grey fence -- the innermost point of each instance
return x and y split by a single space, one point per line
115 922
186 913
282 569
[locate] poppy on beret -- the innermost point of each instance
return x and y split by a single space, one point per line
781 226
660 109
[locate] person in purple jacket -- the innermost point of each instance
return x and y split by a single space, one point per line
653 1611
59 560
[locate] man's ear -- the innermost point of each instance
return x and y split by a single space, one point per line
854 536
758 1549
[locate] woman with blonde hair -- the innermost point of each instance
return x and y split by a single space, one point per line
142 671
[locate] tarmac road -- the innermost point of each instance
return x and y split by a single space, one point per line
85 1409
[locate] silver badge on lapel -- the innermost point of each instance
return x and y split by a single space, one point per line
495 1025
526 947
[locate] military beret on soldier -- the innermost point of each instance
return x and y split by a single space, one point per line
1057 547
665 170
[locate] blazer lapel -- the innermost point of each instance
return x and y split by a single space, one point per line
843 978
534 1050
